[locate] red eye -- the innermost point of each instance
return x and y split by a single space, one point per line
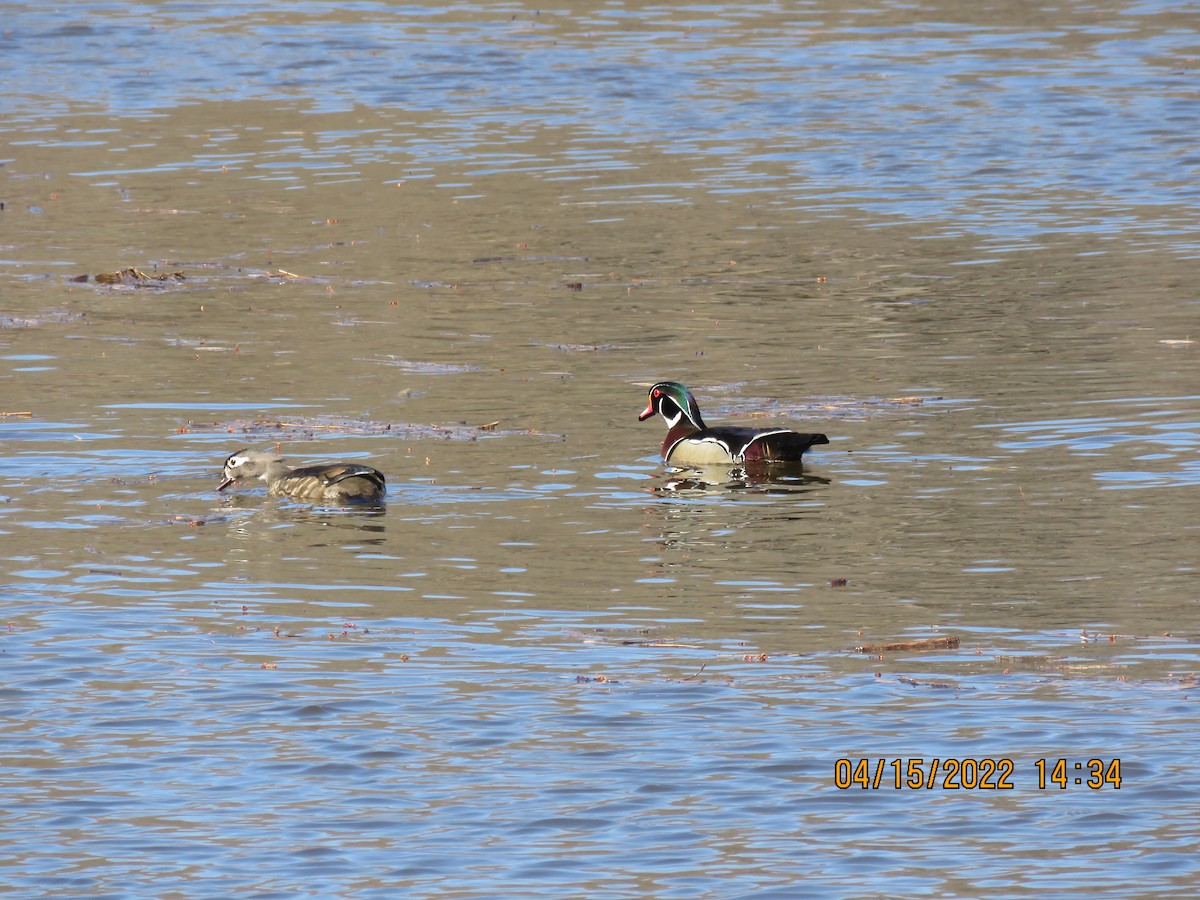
657 393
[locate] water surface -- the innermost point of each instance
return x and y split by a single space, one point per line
459 242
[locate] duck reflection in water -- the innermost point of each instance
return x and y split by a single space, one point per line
787 479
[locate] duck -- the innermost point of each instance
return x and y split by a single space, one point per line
690 442
333 483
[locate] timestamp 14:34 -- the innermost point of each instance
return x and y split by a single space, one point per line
963 773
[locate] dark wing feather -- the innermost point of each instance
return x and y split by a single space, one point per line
766 445
337 473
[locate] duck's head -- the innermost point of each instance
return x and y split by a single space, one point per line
245 465
673 402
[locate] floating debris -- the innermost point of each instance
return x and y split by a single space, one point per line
282 275
595 679
131 277
942 643
939 685
498 259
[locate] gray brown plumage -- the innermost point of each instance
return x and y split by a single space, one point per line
336 483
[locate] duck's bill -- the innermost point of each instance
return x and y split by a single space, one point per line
226 483
647 412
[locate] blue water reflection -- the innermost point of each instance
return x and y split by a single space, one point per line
1167 448
886 112
553 667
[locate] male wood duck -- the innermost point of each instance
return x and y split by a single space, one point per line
691 443
336 483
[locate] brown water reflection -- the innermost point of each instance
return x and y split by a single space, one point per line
550 659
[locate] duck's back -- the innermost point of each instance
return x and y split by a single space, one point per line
777 446
340 482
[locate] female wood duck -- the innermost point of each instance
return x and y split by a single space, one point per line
691 443
336 483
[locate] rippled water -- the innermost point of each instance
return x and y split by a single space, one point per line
459 242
